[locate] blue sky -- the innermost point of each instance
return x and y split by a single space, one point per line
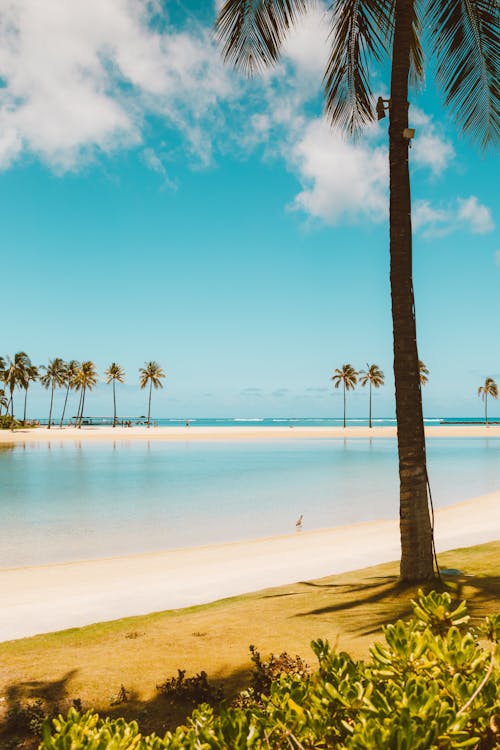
156 205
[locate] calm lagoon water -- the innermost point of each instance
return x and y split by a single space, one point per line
64 501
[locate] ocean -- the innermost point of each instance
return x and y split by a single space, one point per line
77 500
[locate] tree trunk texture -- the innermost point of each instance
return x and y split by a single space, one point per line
114 405
370 420
344 404
50 410
149 403
415 524
64 408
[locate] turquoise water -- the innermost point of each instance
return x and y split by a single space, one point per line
77 501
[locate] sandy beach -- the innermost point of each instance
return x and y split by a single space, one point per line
42 434
54 597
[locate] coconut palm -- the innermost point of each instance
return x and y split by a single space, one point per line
70 370
489 388
30 376
14 374
151 373
114 374
3 401
423 372
348 376
53 377
375 377
85 379
464 41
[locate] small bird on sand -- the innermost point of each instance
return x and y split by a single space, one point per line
298 523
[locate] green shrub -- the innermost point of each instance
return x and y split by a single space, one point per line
7 422
433 684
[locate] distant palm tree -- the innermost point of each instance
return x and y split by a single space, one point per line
52 378
14 374
85 379
114 374
30 376
3 401
348 376
70 370
151 373
375 377
422 372
489 388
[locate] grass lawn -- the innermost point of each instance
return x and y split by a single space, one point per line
349 610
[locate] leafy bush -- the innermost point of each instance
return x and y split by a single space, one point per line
433 684
7 422
193 690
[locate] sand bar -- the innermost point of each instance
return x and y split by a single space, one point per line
53 597
86 434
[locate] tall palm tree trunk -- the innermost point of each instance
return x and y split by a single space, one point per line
64 407
50 410
82 408
25 402
77 420
415 524
114 405
344 404
12 402
149 404
486 408
370 419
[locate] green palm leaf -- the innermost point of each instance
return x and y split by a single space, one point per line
252 31
361 30
465 39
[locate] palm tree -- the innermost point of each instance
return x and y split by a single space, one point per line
151 373
70 370
489 388
348 376
423 372
3 400
375 377
464 41
53 378
14 374
30 376
84 380
114 374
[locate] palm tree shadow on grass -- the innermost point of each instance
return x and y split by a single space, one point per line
394 600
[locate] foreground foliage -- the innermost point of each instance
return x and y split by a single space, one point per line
433 684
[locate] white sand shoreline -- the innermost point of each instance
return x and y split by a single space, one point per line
53 597
120 434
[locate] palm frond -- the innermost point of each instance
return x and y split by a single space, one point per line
465 40
417 72
252 31
361 31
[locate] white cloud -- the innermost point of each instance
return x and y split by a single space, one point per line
430 148
155 164
461 214
81 77
342 180
475 214
307 45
